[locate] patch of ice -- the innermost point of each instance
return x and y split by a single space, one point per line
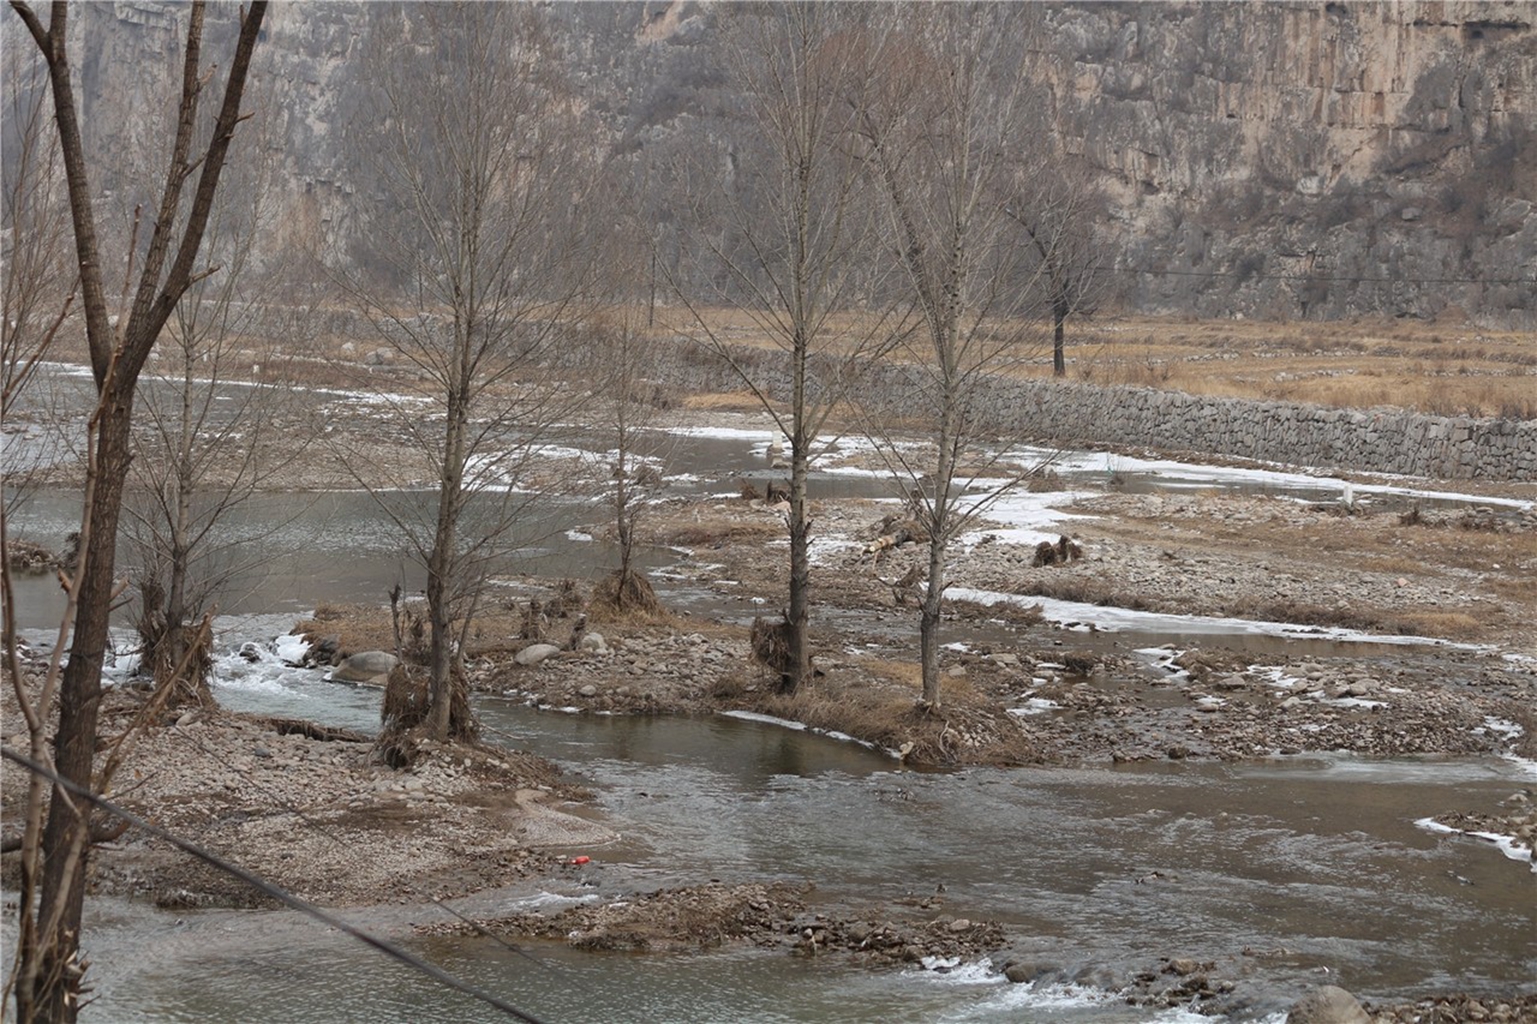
786 723
1505 844
1526 765
1112 619
766 435
1028 517
1503 727
1035 706
579 536
1173 472
291 648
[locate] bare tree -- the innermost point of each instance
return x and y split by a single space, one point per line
626 349
49 973
794 240
1056 205
940 106
483 265
206 443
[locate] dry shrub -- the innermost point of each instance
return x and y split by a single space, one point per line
1044 480
620 595
28 559
403 715
1004 611
966 728
771 647
1065 550
747 492
177 655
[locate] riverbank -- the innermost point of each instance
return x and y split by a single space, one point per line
1295 619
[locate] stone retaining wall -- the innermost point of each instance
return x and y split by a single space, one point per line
1373 440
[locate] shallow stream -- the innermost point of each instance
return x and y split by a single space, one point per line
1283 873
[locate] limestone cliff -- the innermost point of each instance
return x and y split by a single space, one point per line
1275 159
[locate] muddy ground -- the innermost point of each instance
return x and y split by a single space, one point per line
324 819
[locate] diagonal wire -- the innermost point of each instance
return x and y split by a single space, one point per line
499 940
282 895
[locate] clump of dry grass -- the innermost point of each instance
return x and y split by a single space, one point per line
877 704
404 712
723 401
711 530
621 596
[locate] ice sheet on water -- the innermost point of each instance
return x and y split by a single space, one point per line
1113 620
1505 844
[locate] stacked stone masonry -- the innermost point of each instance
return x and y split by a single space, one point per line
1372 440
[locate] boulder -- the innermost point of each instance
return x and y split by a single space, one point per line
365 667
533 654
1327 1004
326 652
592 643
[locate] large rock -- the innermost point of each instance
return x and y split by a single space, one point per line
592 643
365 667
533 654
1327 1004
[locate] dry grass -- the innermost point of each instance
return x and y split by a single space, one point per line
708 530
1433 368
1443 368
877 701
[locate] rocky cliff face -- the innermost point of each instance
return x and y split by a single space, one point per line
1321 159
1282 160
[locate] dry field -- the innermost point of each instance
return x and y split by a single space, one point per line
1441 368
1435 367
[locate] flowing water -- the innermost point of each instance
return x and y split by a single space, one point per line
1283 873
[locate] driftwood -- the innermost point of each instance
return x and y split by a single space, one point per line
894 532
101 832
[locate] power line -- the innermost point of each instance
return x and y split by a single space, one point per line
276 892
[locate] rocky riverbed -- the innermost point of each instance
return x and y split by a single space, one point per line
1048 665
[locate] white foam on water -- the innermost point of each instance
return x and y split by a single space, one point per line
952 971
1035 706
550 899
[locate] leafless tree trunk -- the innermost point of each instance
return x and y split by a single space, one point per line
483 162
939 97
209 445
798 243
49 973
1055 205
625 350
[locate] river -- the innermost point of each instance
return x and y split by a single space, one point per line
1283 873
